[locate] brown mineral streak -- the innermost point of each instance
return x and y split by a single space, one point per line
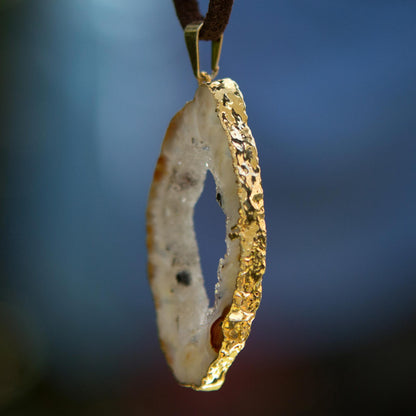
217 335
160 169
166 352
150 267
149 244
159 173
173 125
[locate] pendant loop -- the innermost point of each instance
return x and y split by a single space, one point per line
192 43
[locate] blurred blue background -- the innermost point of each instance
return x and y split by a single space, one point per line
87 89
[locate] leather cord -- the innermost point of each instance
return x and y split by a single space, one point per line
215 21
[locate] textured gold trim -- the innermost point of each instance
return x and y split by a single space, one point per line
250 229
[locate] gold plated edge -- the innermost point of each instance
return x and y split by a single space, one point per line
251 229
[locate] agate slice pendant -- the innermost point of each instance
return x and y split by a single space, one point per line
209 133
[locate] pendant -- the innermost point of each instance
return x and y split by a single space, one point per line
209 133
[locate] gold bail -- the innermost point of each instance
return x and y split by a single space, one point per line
192 43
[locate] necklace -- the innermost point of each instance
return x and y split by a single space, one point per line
209 133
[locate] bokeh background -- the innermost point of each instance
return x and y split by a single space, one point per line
87 89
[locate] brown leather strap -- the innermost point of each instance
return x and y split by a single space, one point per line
215 21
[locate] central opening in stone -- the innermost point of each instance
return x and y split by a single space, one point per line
209 222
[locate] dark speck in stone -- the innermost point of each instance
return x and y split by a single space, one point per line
219 199
183 278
